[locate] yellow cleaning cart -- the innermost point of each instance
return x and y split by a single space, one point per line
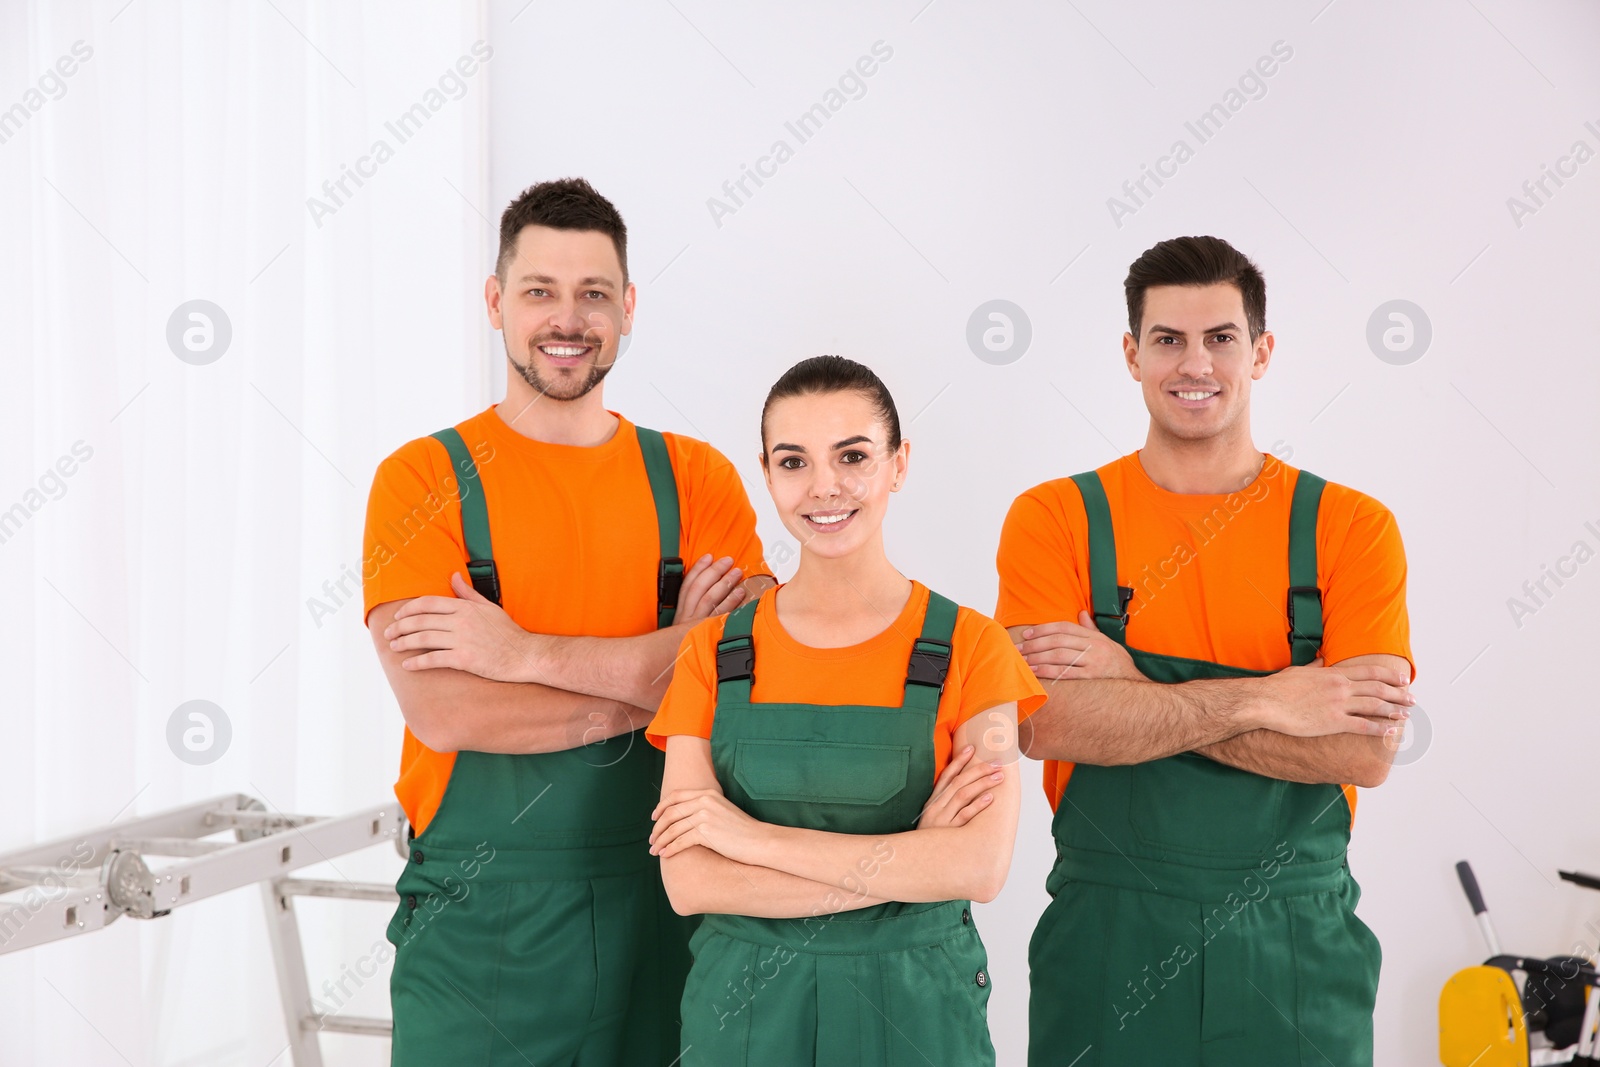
1519 1011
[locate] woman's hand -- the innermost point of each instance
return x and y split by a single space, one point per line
468 632
962 791
1067 650
689 817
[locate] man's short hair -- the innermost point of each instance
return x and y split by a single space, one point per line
1196 261
562 204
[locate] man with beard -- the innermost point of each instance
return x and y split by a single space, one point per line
532 923
1226 646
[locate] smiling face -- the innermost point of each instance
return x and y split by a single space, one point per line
1195 361
562 309
830 469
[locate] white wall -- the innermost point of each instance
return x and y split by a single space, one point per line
977 165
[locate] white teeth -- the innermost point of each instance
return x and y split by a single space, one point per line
1195 396
829 520
561 350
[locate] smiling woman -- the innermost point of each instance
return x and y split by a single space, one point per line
839 751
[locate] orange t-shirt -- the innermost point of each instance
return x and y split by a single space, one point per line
985 670
1209 572
574 534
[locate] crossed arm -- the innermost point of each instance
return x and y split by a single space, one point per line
468 677
1339 723
1340 759
715 858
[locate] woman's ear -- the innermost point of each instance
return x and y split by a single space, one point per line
902 463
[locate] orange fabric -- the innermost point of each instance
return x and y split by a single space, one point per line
1208 571
985 670
575 541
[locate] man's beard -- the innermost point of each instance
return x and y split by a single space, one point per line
566 388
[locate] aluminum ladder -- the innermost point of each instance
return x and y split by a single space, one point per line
82 883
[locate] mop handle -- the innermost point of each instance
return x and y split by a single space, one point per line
1587 1044
1588 1040
1469 885
1588 881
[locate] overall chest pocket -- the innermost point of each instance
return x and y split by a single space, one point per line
821 772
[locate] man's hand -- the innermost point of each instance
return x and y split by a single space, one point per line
710 587
964 789
1060 651
467 632
1315 701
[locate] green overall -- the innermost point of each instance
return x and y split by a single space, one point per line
886 985
1202 916
533 927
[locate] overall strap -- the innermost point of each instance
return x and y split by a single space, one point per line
664 489
736 655
925 671
474 516
930 656
1109 600
1305 598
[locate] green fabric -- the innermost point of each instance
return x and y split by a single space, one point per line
531 903
1304 603
563 972
1146 978
664 489
1201 915
930 653
734 688
532 924
893 984
1107 599
474 516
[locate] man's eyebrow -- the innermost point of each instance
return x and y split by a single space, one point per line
1224 328
545 279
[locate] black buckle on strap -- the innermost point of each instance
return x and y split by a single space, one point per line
485 578
1124 598
930 662
736 659
669 582
1302 590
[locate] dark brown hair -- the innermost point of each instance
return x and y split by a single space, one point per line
833 374
562 204
1196 261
